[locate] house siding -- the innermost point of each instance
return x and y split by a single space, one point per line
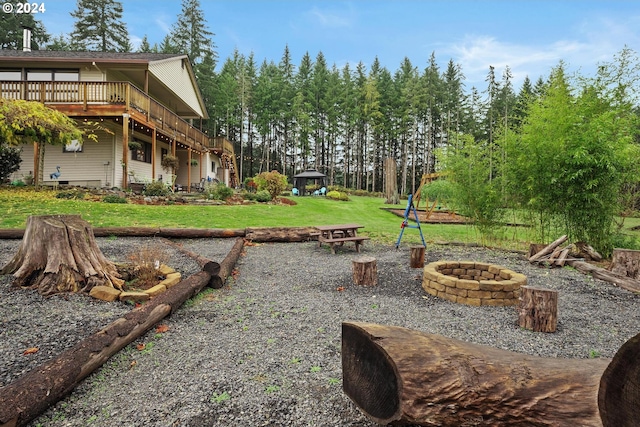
178 80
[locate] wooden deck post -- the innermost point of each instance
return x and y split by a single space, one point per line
365 271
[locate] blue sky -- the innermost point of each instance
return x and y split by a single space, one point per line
529 36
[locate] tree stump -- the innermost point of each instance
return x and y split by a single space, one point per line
365 271
58 254
538 309
417 256
399 376
626 262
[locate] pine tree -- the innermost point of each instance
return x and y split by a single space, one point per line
167 46
99 26
145 47
12 28
190 34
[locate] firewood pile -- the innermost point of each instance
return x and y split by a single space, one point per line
559 253
582 256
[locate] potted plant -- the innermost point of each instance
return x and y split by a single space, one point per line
170 163
194 162
134 145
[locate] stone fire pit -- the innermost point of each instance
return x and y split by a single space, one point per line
473 283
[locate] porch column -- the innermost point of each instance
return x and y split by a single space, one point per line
153 154
125 149
189 170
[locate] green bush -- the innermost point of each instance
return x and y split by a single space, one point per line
263 196
70 194
114 198
155 188
337 195
9 161
247 195
219 192
274 182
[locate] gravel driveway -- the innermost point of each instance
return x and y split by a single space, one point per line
265 349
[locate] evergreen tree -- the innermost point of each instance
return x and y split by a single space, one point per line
167 46
12 29
145 47
99 26
190 34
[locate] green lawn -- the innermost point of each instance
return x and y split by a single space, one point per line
381 225
16 204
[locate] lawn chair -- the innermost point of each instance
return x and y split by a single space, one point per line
295 191
323 191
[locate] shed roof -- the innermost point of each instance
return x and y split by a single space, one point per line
310 174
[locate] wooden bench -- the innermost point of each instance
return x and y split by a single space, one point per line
340 240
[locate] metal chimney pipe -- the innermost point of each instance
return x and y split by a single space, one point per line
26 39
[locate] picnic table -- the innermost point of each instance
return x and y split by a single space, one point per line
339 234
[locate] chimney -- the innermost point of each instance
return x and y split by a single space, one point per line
26 39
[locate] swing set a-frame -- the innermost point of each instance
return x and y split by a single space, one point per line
411 208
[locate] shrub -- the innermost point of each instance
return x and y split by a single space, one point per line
155 188
338 195
70 194
9 161
263 196
219 192
114 198
247 195
274 182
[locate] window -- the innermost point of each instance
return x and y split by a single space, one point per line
53 75
142 154
12 75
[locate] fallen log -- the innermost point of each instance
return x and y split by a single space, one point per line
628 283
24 399
279 234
211 267
399 376
548 249
195 233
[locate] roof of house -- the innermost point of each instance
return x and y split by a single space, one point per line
166 72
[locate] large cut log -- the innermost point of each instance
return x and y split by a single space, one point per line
620 280
417 256
400 376
59 253
548 249
619 387
280 234
24 399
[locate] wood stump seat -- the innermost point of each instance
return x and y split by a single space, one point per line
365 271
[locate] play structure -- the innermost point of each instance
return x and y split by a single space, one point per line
426 180
405 224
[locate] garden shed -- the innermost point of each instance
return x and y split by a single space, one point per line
301 180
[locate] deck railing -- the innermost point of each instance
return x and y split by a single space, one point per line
107 93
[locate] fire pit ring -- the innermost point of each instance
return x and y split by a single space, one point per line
473 283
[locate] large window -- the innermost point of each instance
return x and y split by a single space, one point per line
12 75
53 75
141 154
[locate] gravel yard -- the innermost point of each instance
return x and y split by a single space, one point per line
265 349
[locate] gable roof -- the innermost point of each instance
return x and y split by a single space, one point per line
167 73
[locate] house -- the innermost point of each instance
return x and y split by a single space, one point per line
147 101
